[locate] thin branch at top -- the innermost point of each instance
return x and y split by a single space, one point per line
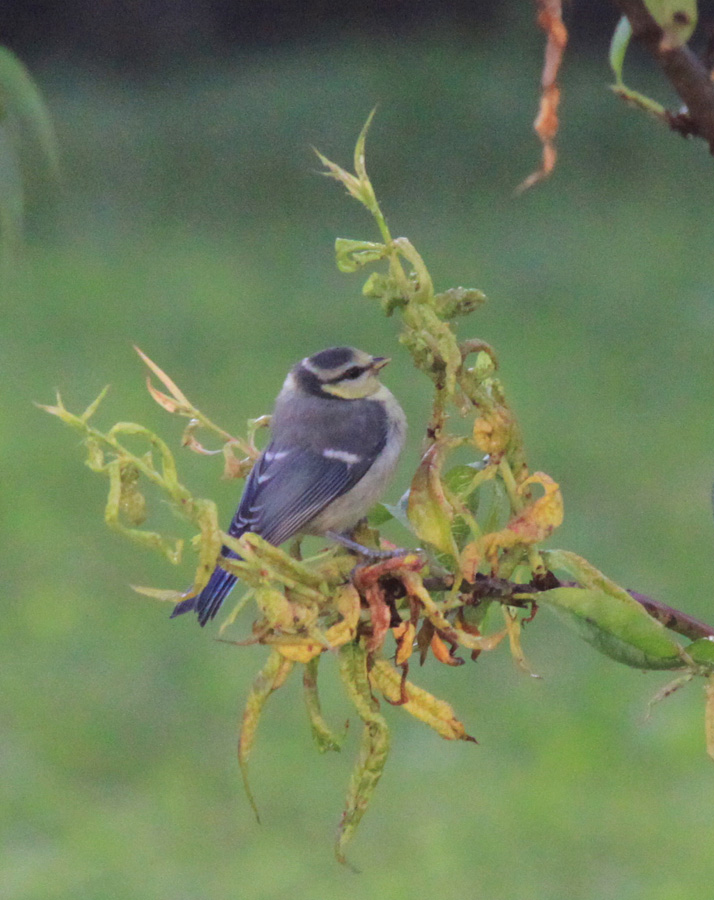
685 72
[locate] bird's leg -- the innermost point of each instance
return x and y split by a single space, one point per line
356 547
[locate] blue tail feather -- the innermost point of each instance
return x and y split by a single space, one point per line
208 602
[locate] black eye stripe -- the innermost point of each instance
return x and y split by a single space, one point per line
349 375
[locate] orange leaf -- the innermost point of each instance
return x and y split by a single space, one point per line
404 635
180 401
531 526
442 652
550 20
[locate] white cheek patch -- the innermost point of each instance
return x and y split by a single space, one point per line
343 456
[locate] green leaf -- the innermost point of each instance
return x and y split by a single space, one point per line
352 255
21 97
379 514
701 652
676 18
621 630
458 301
428 508
398 510
618 47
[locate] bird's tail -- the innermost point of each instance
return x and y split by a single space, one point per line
209 601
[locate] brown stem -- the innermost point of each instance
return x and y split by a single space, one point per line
682 68
502 591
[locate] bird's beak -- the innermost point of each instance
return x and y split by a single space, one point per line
379 362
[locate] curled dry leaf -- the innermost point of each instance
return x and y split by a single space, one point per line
531 526
492 432
437 714
550 19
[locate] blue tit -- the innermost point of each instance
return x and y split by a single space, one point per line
337 433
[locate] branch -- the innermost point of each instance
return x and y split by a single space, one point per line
685 71
507 592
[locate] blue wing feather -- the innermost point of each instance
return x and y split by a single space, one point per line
286 489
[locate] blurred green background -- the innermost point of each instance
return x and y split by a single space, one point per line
193 222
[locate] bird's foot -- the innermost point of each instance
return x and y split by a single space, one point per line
369 552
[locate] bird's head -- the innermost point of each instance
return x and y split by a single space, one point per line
343 372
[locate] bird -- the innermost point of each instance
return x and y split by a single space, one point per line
336 435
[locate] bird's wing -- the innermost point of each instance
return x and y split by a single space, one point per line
289 486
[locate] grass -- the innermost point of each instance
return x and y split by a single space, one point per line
192 223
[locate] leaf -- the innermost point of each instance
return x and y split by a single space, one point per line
324 737
205 515
352 255
399 510
442 652
435 713
458 301
546 122
701 652
404 635
347 603
533 524
709 717
21 96
94 405
514 627
374 747
379 515
434 614
492 432
178 402
168 596
170 548
618 48
676 18
618 627
12 195
586 574
272 676
429 511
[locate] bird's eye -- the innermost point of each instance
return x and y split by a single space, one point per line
354 372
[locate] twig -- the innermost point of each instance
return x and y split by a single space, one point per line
507 592
685 71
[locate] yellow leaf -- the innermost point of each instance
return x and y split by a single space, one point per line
533 524
513 627
544 515
269 679
347 603
169 596
492 432
297 651
435 713
709 717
